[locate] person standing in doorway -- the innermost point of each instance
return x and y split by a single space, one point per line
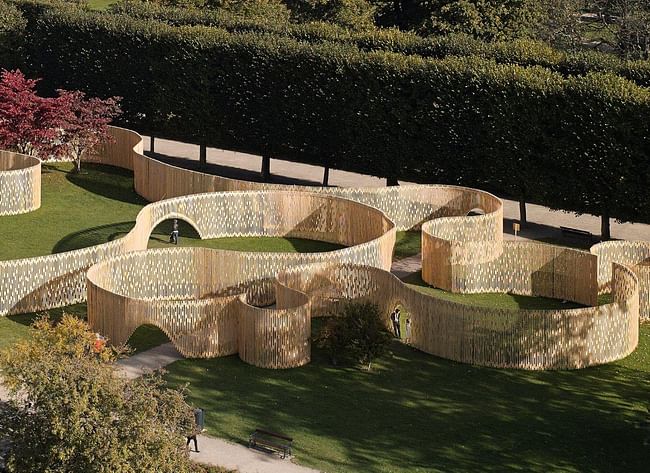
408 330
398 329
173 238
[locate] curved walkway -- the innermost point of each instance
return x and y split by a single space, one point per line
212 451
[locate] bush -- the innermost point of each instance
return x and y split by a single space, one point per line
334 339
73 412
349 14
358 331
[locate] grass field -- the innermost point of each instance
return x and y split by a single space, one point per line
418 413
407 244
496 300
100 205
77 210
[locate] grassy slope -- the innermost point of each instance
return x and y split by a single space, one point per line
77 210
407 244
489 299
417 413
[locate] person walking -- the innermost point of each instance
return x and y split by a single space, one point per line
199 426
173 238
408 330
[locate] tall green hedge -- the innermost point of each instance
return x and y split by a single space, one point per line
12 26
523 52
577 143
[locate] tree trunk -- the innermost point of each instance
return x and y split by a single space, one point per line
203 154
326 176
605 233
522 213
266 168
152 144
392 181
77 163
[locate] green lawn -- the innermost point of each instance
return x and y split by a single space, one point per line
407 244
188 237
78 210
419 413
100 205
496 300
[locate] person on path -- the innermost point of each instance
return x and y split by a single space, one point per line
398 331
392 321
408 330
199 424
173 238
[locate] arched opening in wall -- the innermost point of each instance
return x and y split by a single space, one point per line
475 211
146 337
172 232
161 237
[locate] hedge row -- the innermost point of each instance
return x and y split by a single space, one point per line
12 25
577 143
522 52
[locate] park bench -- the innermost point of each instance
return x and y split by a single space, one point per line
271 440
574 232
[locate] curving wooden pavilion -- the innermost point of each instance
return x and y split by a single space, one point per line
259 305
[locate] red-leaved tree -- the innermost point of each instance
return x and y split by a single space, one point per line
85 123
28 123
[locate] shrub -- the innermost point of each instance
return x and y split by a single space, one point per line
333 338
72 412
358 331
369 338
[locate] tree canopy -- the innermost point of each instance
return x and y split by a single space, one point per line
71 411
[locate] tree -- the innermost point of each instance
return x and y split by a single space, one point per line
487 19
557 22
73 412
352 14
12 30
85 123
28 123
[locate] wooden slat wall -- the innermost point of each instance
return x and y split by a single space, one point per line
192 294
20 183
525 339
635 254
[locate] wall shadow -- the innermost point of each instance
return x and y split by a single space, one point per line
107 181
229 171
93 236
416 412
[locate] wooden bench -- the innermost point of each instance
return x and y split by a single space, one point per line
271 440
568 231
